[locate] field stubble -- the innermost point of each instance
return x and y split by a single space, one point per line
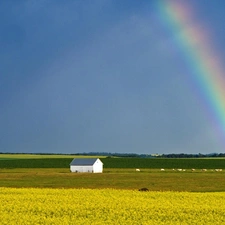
153 179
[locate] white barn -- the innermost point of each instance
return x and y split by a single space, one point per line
86 165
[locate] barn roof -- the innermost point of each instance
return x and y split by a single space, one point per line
83 161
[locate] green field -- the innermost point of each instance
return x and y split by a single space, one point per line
63 161
119 173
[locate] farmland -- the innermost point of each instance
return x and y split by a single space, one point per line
119 173
109 206
57 161
40 189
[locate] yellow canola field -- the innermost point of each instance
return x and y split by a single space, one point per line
108 206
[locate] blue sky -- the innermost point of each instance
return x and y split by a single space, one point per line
100 76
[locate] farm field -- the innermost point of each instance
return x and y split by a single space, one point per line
42 190
41 156
63 161
153 179
53 172
109 206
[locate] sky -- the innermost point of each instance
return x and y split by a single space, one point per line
103 76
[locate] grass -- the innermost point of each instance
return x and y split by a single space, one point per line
43 171
153 179
53 161
36 163
197 163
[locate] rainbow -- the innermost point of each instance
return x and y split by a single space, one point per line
206 70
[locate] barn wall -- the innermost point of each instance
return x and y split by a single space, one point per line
98 167
82 169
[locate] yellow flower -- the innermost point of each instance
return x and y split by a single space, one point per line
108 206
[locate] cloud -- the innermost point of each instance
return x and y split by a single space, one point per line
102 84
